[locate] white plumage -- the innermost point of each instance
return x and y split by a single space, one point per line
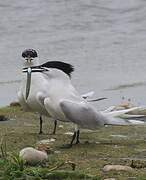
47 89
64 103
33 88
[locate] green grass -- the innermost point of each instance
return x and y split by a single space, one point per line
96 149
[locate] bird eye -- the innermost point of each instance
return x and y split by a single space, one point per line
29 59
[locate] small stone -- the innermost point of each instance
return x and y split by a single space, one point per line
116 168
97 142
110 179
69 133
46 141
57 152
60 126
44 147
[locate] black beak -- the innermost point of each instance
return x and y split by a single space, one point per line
28 84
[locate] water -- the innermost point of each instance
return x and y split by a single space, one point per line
104 40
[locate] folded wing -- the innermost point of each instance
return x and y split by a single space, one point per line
82 114
87 117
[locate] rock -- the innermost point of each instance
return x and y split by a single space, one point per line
69 133
57 152
33 156
60 126
110 179
15 104
44 147
46 141
116 168
3 118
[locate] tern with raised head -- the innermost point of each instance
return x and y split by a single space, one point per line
32 91
31 59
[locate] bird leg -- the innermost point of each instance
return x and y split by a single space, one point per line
41 124
73 138
55 125
71 143
78 136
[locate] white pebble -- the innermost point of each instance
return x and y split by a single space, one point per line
46 141
33 156
116 168
60 126
69 133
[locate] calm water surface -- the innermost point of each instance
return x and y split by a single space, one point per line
104 40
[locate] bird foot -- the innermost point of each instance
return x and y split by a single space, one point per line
41 132
66 146
53 133
77 142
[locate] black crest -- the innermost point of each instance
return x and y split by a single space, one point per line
29 53
65 67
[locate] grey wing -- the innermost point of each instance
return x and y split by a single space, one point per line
82 114
87 117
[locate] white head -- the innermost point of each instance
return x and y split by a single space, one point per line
30 57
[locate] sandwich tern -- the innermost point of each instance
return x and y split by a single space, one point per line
31 59
33 101
64 103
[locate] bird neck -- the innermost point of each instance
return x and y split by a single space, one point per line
34 62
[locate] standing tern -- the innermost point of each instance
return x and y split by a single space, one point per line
32 100
64 103
31 59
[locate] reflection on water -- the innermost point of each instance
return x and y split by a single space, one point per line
104 40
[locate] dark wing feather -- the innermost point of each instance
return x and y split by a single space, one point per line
65 67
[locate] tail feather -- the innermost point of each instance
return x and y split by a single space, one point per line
122 122
113 118
119 113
